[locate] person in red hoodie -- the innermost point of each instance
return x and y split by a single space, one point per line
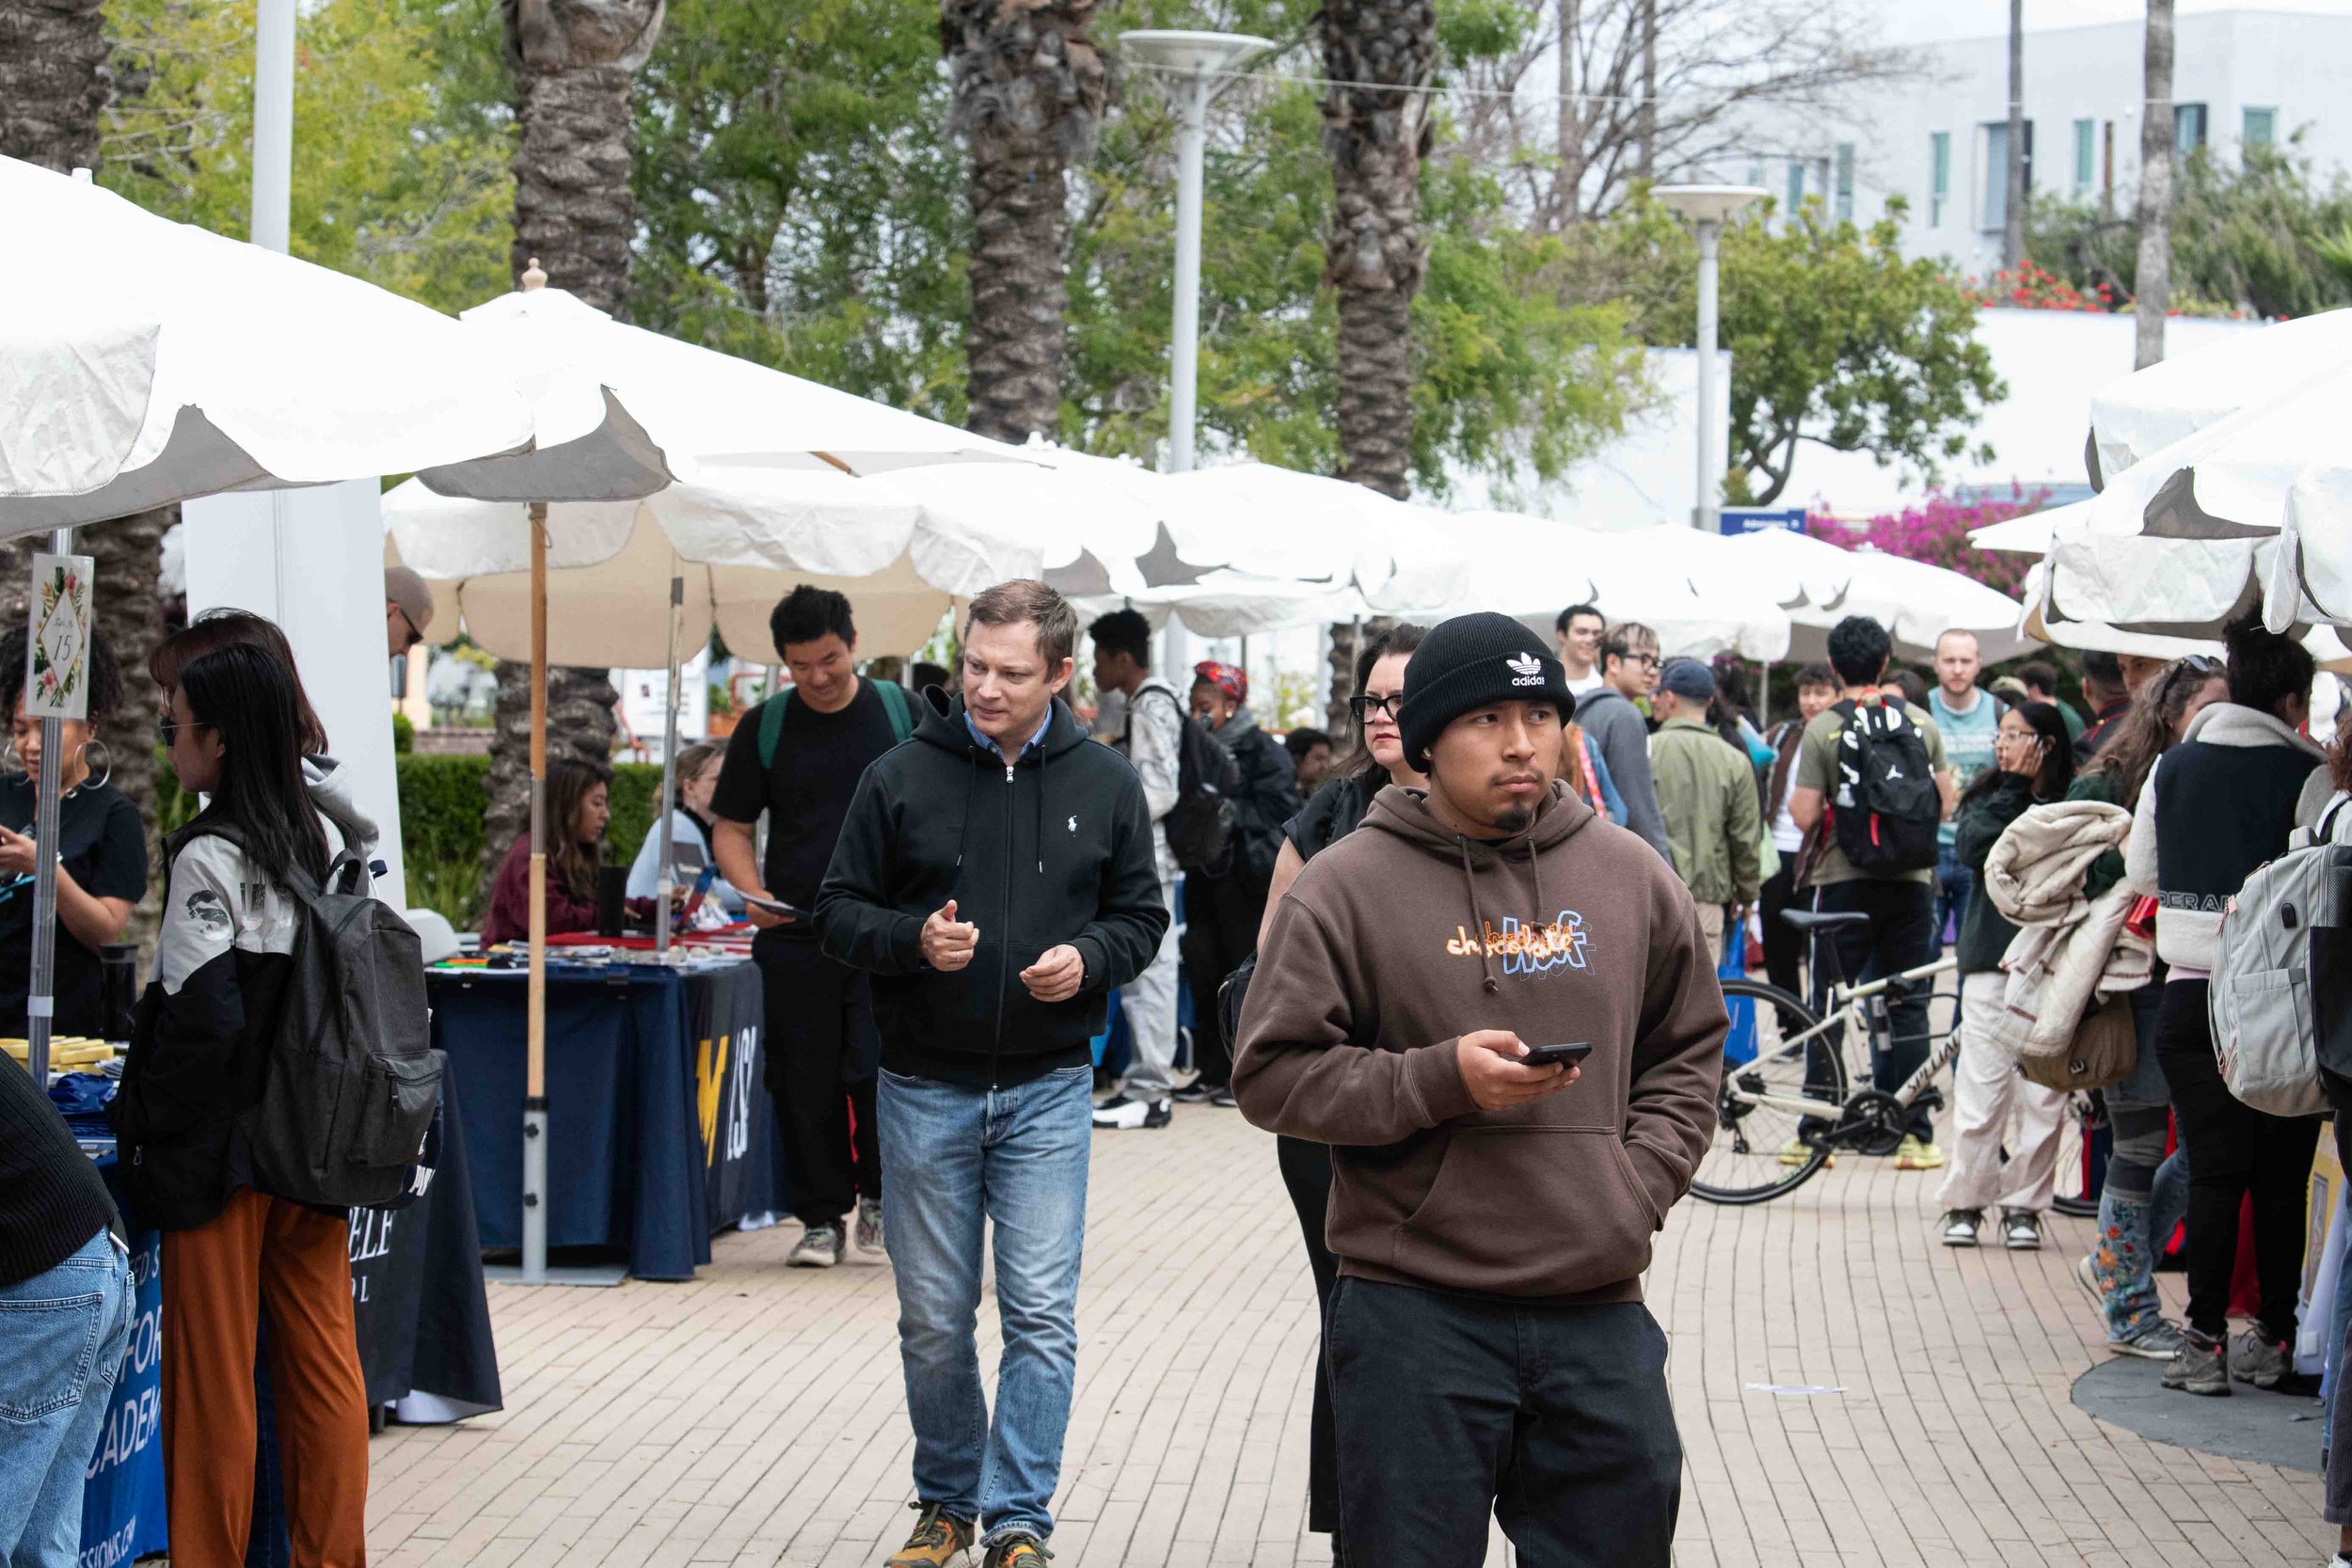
1488 1351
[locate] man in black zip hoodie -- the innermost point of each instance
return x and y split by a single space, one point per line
997 877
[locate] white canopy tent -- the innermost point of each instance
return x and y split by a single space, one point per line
2137 416
156 363
1819 584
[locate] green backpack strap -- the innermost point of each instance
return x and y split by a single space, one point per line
894 702
772 727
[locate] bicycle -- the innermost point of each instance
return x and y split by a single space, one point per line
1784 1115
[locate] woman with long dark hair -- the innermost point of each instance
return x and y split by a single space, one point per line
227 627
2215 806
577 809
2146 1190
2033 761
234 731
102 868
1337 807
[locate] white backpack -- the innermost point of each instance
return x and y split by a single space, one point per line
2266 1028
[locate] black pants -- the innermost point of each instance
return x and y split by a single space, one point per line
2234 1150
1784 946
1900 936
1307 1173
1221 915
823 1055
1554 1419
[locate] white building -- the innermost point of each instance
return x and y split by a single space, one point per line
2243 73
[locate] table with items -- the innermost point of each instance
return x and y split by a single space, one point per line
659 1127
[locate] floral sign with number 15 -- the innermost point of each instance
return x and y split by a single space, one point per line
59 684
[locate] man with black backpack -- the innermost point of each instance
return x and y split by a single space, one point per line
798 757
1224 907
1872 787
1151 738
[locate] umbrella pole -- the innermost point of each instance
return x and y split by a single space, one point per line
535 1006
664 877
39 993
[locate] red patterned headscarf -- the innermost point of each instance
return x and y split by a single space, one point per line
1229 678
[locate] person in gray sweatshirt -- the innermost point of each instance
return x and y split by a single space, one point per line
1628 671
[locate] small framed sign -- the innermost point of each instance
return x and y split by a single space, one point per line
58 687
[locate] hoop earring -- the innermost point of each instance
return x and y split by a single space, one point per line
100 782
9 757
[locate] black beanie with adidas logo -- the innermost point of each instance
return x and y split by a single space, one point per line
1470 662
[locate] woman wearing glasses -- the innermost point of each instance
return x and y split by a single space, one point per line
1331 816
101 848
2145 1192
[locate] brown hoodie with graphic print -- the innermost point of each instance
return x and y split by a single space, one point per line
1404 936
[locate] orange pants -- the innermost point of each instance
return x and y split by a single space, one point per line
260 1253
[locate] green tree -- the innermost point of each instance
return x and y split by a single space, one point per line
2265 235
1834 336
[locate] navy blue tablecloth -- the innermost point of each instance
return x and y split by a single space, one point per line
656 1126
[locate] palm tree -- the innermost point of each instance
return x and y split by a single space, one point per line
1380 56
2013 209
1030 88
53 89
573 62
2153 280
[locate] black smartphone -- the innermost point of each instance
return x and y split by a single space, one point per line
1567 1055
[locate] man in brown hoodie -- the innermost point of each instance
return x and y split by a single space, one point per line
1492 1219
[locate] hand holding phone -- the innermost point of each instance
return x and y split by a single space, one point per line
778 912
1499 1075
1567 1055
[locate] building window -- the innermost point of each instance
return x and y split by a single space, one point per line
1939 175
2259 127
1755 171
2188 127
2086 156
1796 188
1996 170
1845 182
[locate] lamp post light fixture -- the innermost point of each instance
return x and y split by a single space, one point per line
1704 208
1196 61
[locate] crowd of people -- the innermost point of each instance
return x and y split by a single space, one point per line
1470 949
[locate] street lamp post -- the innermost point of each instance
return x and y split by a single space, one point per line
1704 208
1195 61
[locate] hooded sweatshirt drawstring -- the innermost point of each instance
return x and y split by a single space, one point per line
1470 880
1041 810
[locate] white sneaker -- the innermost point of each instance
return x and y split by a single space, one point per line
2021 1231
1961 1227
870 1225
1120 1113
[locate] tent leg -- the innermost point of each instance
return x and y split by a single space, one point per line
535 1006
665 888
40 987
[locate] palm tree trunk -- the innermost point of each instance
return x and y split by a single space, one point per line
1567 198
1030 88
1379 55
2152 282
1648 115
574 212
2013 213
52 81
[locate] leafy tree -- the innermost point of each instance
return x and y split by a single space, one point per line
1834 336
2264 235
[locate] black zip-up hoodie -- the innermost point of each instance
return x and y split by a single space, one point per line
1055 848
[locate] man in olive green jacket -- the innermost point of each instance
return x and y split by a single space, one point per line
1706 794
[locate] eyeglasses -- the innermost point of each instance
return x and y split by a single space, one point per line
414 636
168 727
1363 708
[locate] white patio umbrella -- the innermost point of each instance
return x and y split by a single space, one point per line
2139 414
150 362
2028 534
1915 600
1271 522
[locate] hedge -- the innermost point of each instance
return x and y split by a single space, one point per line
441 800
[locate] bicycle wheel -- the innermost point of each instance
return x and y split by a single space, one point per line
1758 1152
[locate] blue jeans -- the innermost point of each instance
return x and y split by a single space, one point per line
61 1341
959 1157
1954 884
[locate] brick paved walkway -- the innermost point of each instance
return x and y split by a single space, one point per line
755 1417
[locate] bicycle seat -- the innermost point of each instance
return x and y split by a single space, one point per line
1806 920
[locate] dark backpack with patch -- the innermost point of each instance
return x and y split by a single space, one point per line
1886 807
1202 824
351 1081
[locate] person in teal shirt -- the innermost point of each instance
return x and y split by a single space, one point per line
1970 718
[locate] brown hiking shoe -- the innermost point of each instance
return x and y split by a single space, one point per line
940 1541
1018 1551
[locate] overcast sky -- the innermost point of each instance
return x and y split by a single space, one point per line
1922 21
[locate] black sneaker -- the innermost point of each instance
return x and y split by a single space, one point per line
1122 1113
1197 1093
1224 1097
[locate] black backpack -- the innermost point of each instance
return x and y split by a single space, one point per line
351 1081
1203 824
1886 807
